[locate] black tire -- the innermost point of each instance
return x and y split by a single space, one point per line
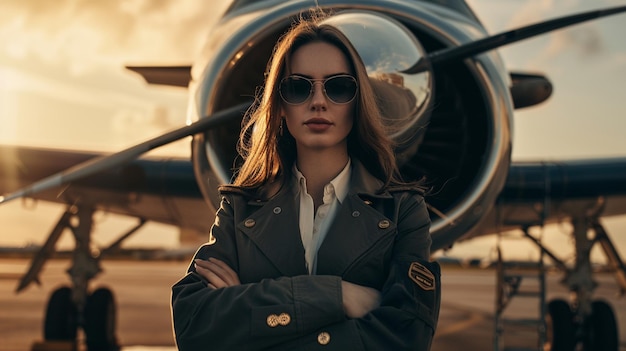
601 328
100 321
60 322
560 331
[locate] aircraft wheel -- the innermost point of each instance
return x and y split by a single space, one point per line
560 332
602 332
100 321
60 322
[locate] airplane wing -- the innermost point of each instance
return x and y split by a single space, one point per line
154 189
544 192
164 189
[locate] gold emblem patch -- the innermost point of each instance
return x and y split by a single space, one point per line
423 277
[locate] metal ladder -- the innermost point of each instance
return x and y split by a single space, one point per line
510 276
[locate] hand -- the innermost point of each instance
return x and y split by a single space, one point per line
358 300
218 273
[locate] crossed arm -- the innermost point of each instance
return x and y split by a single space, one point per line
357 300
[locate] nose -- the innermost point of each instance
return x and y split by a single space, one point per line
318 99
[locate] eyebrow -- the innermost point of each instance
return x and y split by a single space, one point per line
325 77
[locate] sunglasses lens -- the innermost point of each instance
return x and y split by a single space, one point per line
295 90
341 89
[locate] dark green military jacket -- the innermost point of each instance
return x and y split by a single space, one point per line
380 240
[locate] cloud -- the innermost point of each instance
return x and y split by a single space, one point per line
585 41
87 33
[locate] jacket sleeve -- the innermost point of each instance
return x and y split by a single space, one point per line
409 310
251 316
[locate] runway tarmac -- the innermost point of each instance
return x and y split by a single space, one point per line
142 292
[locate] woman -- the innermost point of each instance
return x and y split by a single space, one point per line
317 244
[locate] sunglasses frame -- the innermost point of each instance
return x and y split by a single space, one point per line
312 82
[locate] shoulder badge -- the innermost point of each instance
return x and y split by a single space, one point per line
423 277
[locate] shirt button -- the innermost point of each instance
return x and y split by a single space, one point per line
367 202
272 320
284 319
384 224
356 214
249 223
323 338
277 210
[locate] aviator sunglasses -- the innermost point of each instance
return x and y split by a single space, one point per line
339 89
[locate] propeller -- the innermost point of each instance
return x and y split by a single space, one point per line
106 162
462 52
434 58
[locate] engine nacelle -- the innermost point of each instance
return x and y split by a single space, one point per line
452 123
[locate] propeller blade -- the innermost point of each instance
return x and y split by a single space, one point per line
106 162
505 38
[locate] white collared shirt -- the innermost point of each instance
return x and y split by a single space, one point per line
314 226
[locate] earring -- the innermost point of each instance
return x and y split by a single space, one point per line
280 128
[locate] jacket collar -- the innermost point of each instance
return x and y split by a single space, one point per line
355 230
364 183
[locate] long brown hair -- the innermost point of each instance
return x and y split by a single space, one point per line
267 147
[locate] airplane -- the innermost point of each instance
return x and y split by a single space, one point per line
450 103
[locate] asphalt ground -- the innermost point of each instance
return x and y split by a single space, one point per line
142 293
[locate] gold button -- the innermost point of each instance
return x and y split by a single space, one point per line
249 223
384 224
284 319
323 338
272 320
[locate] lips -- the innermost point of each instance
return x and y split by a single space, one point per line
318 124
317 120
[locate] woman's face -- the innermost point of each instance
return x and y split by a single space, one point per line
318 123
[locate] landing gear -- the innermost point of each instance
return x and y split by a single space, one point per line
581 324
70 308
601 328
598 332
61 322
100 321
560 332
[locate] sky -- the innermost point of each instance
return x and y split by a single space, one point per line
63 84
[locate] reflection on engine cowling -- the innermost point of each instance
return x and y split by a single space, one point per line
451 122
387 48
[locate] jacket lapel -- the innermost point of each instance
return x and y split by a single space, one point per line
275 230
356 230
357 226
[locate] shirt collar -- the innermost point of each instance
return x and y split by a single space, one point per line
340 184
